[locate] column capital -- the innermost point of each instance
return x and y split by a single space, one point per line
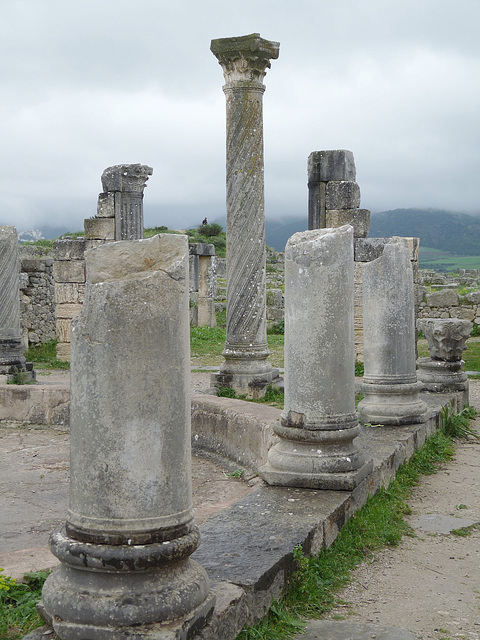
244 58
126 177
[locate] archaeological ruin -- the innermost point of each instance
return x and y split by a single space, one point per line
130 560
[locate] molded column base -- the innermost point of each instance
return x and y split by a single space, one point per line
392 404
440 376
316 459
246 382
121 592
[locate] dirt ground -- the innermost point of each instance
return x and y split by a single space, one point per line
430 583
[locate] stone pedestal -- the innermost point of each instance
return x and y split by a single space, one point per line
244 61
444 370
123 186
125 569
319 423
390 382
13 367
202 255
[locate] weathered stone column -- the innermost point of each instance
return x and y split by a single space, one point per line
319 423
130 531
444 369
244 61
12 360
333 194
390 382
202 254
123 187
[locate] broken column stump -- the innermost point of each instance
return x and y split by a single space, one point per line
125 569
319 424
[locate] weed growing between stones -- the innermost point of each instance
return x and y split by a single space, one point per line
44 356
457 425
312 589
18 614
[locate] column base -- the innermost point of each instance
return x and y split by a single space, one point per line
316 458
330 481
18 374
440 376
392 404
249 384
103 592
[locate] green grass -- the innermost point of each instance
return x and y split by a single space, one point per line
18 615
457 425
312 590
439 260
44 356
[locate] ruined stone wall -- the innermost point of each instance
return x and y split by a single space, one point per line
37 301
69 273
449 304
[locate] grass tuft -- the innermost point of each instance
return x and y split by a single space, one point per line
457 425
18 614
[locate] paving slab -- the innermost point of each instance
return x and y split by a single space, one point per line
331 630
441 524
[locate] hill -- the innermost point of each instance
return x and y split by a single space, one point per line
457 233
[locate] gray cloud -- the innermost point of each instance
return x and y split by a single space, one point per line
89 84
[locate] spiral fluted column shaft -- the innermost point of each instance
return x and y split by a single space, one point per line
244 61
11 358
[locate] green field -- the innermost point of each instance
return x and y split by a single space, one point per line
439 260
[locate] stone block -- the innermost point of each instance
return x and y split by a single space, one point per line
358 218
324 166
68 292
64 329
463 313
274 298
275 315
67 310
32 265
63 351
106 205
342 194
99 228
201 249
473 297
94 244
368 249
445 298
69 249
69 271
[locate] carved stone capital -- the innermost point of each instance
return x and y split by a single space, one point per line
446 337
244 58
126 177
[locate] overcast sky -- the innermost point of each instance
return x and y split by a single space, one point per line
86 84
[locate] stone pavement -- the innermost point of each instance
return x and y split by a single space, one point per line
248 529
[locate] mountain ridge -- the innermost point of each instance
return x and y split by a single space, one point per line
458 233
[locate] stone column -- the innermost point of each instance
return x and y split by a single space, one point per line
244 61
333 194
123 187
443 371
12 360
319 423
202 255
125 569
390 382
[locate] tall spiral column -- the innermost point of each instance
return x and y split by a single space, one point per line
12 360
244 61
